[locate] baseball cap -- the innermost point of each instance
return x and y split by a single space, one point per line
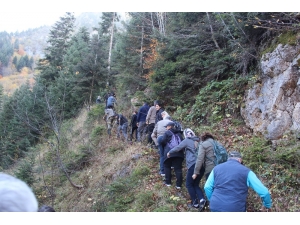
170 124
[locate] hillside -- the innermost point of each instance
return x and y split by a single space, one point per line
120 177
235 75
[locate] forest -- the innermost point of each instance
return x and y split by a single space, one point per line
199 64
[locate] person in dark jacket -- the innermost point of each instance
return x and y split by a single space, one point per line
189 145
227 186
141 121
175 159
133 124
159 110
123 123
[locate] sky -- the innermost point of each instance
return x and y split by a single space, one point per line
20 15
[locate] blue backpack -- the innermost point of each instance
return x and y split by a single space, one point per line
220 153
175 140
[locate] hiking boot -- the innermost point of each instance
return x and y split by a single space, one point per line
178 188
196 206
168 185
202 204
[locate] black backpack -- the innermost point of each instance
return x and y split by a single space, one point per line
178 126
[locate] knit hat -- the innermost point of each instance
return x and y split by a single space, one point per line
234 154
188 133
16 195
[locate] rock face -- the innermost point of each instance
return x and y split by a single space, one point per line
272 106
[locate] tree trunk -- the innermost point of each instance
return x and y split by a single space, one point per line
212 32
141 54
111 42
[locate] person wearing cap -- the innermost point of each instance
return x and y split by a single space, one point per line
16 195
189 144
157 135
227 186
175 159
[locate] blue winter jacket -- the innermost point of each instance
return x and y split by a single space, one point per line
227 187
111 100
142 113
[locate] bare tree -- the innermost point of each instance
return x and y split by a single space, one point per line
212 31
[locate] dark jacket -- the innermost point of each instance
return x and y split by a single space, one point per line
166 138
142 114
133 120
158 116
122 119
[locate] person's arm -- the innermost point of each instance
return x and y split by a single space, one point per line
209 185
165 138
179 147
260 189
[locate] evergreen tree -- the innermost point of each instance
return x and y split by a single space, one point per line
59 38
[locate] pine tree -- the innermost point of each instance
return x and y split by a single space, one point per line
59 38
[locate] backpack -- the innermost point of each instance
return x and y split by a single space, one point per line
175 140
178 126
220 153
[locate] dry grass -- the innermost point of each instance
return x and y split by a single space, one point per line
112 165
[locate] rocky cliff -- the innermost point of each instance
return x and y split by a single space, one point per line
272 105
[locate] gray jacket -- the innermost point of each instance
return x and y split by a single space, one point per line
151 115
159 128
188 144
205 150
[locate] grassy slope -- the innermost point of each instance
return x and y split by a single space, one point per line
120 177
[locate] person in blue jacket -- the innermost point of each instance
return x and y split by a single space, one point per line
227 186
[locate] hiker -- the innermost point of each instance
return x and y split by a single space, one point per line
175 159
109 117
116 119
123 123
205 151
46 208
98 100
141 121
150 121
189 145
157 135
111 101
159 110
133 124
16 195
227 186
105 97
